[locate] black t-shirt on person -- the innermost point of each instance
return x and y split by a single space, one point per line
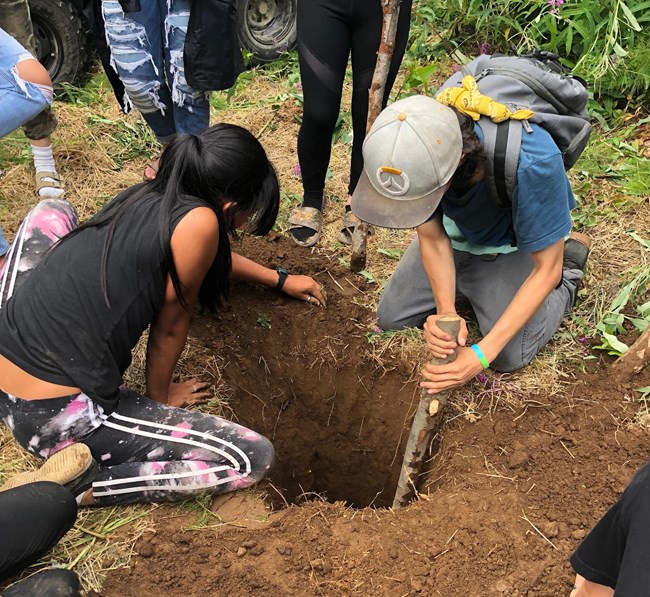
58 326
616 552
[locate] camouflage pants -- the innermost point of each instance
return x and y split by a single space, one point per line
15 20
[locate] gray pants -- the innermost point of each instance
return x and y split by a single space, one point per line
489 283
15 20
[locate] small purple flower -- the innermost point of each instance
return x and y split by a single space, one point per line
455 67
377 330
484 48
482 378
297 171
582 339
298 86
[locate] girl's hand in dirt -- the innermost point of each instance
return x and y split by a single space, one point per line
187 393
440 343
305 289
437 378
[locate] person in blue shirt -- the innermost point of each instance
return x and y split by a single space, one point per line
518 268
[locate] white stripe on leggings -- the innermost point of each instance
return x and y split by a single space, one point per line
177 440
206 471
8 273
236 449
193 432
188 488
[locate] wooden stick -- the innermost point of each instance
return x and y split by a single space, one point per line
636 358
375 101
428 418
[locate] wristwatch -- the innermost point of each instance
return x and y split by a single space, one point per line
283 275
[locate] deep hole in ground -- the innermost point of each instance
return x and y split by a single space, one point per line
305 378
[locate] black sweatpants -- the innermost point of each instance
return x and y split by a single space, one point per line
617 550
328 30
33 518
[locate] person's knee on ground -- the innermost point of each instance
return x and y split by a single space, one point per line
264 457
510 359
389 316
49 583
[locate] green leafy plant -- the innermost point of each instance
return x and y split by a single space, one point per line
417 77
391 253
342 129
264 320
367 276
287 202
613 323
605 41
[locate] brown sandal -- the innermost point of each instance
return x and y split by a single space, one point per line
306 217
348 226
47 179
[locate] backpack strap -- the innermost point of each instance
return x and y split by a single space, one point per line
502 144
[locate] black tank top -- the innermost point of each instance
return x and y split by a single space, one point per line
58 327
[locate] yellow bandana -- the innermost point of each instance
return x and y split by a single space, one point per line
471 101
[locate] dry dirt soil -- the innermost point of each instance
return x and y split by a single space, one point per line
505 501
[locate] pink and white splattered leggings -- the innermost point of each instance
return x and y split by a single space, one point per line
147 452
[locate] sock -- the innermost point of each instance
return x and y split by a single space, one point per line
314 200
44 162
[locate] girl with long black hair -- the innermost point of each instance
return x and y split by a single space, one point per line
70 316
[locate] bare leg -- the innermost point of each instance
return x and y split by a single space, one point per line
45 142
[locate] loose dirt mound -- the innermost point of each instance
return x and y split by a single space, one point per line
508 496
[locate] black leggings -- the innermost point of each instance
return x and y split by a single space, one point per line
32 520
327 31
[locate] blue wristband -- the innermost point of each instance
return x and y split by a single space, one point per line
481 356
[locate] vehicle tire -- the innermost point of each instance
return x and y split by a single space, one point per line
60 38
267 28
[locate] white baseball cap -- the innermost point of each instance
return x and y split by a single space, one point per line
410 154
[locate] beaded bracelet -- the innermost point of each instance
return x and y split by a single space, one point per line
481 356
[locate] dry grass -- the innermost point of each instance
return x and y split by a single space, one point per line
100 151
101 539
